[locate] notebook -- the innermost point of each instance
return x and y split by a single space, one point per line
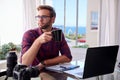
98 61
62 67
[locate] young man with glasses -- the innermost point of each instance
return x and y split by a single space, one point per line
38 46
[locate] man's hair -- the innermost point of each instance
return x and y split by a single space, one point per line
47 7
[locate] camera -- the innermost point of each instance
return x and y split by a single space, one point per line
19 71
22 72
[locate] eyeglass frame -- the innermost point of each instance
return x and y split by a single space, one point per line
42 17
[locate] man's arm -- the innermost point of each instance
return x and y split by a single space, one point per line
53 61
31 53
65 56
57 60
29 56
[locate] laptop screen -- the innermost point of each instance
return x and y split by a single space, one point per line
100 60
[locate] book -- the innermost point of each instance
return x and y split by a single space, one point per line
62 67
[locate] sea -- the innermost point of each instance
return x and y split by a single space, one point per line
72 29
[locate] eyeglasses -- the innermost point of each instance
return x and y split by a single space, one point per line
42 17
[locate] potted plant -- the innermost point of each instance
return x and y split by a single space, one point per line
5 48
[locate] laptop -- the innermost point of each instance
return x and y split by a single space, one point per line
98 61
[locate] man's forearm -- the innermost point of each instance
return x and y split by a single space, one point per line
31 53
59 59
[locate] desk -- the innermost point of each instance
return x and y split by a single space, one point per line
62 76
49 75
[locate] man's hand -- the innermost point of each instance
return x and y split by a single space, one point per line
40 66
45 37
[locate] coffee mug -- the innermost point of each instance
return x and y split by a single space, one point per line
57 35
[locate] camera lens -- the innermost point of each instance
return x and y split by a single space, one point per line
34 71
11 62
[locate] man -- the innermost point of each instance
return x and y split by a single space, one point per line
38 46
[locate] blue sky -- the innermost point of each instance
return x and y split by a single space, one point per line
70 12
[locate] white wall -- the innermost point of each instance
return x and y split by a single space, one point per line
92 38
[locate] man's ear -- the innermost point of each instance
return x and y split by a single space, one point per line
53 19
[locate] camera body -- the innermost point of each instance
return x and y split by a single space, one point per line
19 71
22 72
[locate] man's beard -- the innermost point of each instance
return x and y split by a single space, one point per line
45 26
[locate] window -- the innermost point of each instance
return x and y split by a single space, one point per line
71 18
11 27
11 21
